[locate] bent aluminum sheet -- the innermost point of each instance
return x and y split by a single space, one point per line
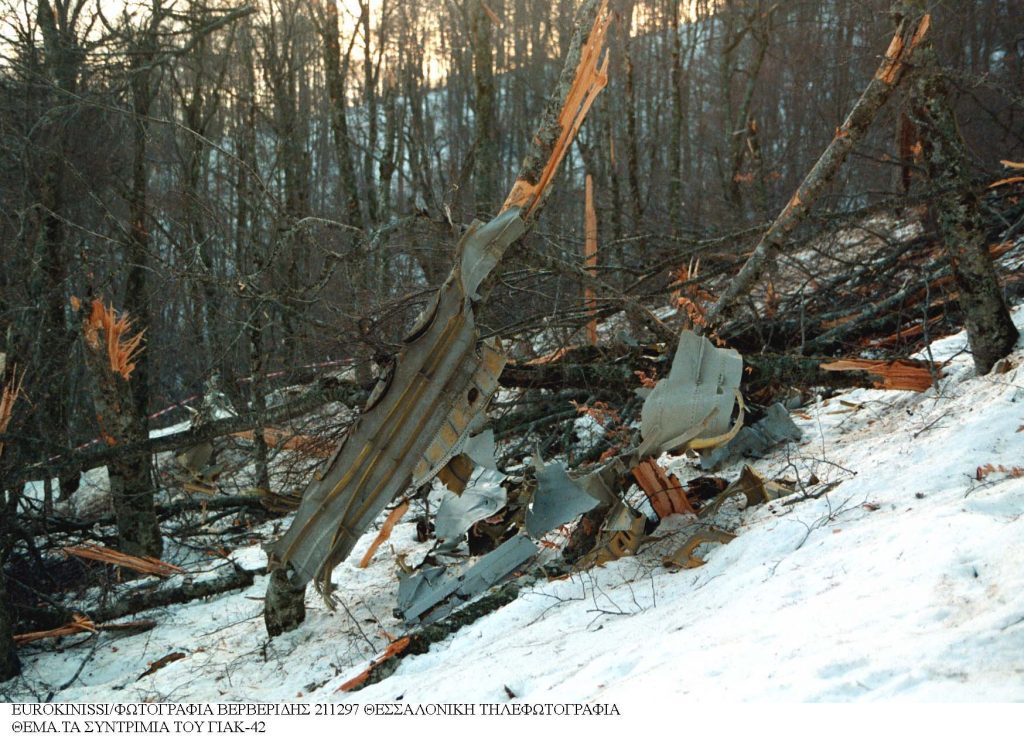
695 400
441 382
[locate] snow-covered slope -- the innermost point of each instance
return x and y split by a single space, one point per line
905 580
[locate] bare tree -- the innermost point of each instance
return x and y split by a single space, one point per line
990 329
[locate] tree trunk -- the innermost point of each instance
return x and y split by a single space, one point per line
370 71
485 150
132 492
990 329
284 608
335 77
10 666
632 152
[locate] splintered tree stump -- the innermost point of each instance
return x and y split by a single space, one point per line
285 605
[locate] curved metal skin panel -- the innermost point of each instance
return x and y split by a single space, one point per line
695 400
441 382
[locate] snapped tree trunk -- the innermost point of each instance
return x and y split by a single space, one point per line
423 408
990 330
112 358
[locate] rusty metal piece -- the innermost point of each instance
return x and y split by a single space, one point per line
622 536
685 558
755 489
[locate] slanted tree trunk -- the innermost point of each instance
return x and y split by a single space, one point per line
990 330
909 35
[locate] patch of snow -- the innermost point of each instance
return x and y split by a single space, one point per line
899 575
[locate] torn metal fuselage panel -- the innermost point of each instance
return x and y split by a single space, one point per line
440 383
483 497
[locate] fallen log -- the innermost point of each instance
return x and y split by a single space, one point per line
163 596
51 524
616 371
168 592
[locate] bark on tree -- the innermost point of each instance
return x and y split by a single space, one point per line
58 23
371 72
990 329
632 146
123 404
485 148
285 606
334 71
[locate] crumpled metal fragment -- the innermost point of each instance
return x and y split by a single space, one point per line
754 488
483 496
694 402
622 534
558 500
686 558
754 440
